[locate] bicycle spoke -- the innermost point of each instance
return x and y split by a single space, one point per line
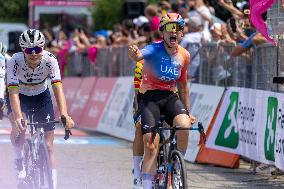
178 173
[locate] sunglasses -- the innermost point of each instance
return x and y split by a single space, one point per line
170 27
35 50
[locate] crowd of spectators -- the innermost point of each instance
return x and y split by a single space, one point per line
202 26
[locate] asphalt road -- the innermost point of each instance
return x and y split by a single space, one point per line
97 161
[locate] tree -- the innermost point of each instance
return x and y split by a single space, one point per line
14 11
106 13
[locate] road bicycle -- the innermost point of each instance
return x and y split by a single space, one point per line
171 169
36 160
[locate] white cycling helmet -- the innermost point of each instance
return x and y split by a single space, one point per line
3 48
31 38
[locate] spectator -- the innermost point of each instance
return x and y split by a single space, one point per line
253 40
152 13
216 32
195 28
200 9
191 42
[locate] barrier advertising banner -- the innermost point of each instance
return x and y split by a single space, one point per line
81 98
70 87
96 104
116 117
204 100
250 124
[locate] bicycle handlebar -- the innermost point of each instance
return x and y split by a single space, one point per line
41 125
199 128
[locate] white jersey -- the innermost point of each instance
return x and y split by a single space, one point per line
31 81
7 57
2 76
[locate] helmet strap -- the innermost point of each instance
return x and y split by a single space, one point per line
167 43
170 47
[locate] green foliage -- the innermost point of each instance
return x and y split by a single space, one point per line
153 1
14 11
107 13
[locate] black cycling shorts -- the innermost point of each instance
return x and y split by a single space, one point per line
154 103
37 108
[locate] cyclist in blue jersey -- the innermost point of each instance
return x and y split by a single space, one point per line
29 96
165 66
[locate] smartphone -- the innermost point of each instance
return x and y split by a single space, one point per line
233 25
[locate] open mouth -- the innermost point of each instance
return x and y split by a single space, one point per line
173 39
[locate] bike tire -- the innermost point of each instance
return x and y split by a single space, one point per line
178 172
28 182
162 160
45 173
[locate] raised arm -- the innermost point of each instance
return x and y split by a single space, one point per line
230 7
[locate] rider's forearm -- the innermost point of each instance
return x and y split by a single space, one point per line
231 8
60 99
183 91
15 103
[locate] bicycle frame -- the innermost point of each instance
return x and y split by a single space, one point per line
172 138
37 156
166 152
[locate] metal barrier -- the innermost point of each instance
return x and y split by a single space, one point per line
215 65
110 62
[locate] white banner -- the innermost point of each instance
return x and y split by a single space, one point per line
204 100
249 123
117 117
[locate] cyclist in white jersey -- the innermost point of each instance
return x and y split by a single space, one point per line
3 50
3 53
4 57
29 96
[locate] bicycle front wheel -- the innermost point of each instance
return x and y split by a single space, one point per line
28 159
45 175
178 172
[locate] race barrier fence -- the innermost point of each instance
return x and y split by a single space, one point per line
253 69
235 121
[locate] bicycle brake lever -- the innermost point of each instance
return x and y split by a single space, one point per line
67 134
201 131
67 131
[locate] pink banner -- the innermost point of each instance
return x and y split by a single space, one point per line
257 7
84 3
70 87
81 98
97 102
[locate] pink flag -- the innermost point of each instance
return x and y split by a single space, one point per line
257 7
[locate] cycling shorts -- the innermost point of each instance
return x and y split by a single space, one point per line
37 108
154 103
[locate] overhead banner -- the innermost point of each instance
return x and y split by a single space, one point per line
204 100
117 116
249 123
